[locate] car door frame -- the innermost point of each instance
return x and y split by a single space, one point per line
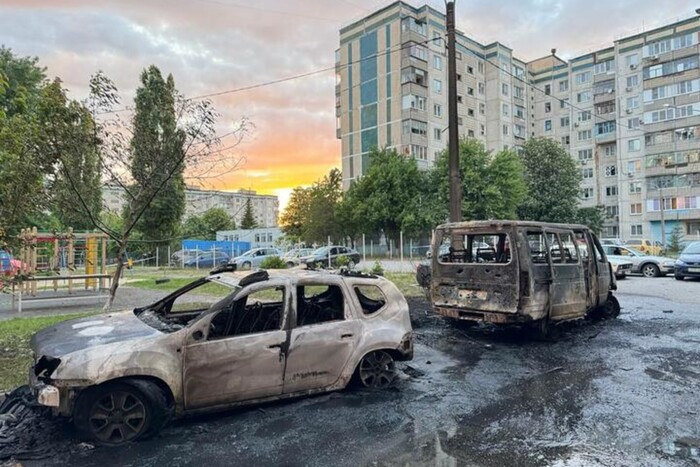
271 345
343 335
568 292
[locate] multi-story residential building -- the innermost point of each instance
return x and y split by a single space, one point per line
629 114
197 201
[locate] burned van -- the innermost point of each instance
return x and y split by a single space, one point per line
515 272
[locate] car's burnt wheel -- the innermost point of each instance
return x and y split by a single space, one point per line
246 266
650 270
377 370
116 413
351 264
290 264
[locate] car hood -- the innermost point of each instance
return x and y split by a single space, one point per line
690 258
80 334
660 259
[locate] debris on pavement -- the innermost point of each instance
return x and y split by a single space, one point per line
668 311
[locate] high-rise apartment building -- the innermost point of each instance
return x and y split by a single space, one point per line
628 114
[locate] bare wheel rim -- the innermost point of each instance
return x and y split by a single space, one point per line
351 264
649 270
117 417
377 370
246 265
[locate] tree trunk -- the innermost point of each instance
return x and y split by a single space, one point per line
117 275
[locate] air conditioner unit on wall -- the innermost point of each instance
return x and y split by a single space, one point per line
633 66
629 111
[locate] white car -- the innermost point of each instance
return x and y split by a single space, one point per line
274 335
642 263
620 267
253 258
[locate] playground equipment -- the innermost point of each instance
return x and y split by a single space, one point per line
63 262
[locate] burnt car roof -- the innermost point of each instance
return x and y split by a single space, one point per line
243 278
508 223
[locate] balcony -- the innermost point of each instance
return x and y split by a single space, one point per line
608 95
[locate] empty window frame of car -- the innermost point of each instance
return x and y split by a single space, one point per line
371 298
261 310
562 247
319 303
475 248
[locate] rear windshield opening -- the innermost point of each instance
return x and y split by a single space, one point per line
488 248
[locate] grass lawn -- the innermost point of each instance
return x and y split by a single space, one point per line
15 355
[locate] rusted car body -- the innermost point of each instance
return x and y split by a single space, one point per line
275 335
529 272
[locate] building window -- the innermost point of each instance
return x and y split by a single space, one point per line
437 62
481 67
633 123
505 130
584 135
584 96
480 87
437 110
470 133
607 66
634 166
636 229
634 145
547 125
587 173
482 108
413 102
635 209
418 51
611 211
587 193
610 170
585 154
470 112
583 77
437 86
563 103
547 106
565 140
459 99
633 102
415 127
519 92
506 110
520 112
437 134
584 116
504 89
564 121
419 152
632 61
470 91
470 69
632 81
459 121
547 89
611 190
604 128
609 150
482 130
635 187
564 85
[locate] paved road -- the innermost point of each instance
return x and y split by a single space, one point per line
622 393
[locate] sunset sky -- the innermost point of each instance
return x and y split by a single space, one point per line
215 45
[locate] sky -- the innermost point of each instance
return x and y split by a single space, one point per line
215 45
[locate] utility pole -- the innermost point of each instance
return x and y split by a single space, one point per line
663 220
453 130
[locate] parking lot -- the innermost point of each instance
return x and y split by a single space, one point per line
621 392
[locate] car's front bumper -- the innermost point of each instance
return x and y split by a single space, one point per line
687 271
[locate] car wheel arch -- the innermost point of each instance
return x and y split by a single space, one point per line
136 379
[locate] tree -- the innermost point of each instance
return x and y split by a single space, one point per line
675 240
205 226
552 179
294 217
492 185
158 142
592 217
390 197
248 221
143 168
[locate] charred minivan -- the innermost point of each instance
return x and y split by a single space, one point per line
516 272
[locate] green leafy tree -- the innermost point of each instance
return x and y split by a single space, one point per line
552 179
392 196
592 217
205 226
675 240
493 185
293 219
248 221
158 142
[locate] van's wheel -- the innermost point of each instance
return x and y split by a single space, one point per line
117 413
650 270
611 307
376 370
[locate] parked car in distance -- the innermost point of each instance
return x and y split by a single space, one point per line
688 263
291 258
319 258
206 259
647 246
612 241
620 267
274 335
642 263
180 256
253 258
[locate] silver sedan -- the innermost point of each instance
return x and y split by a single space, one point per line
642 263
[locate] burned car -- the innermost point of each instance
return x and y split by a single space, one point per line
273 335
530 273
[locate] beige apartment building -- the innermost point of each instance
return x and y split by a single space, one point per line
629 114
197 201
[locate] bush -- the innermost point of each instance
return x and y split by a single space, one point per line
342 261
273 262
377 269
